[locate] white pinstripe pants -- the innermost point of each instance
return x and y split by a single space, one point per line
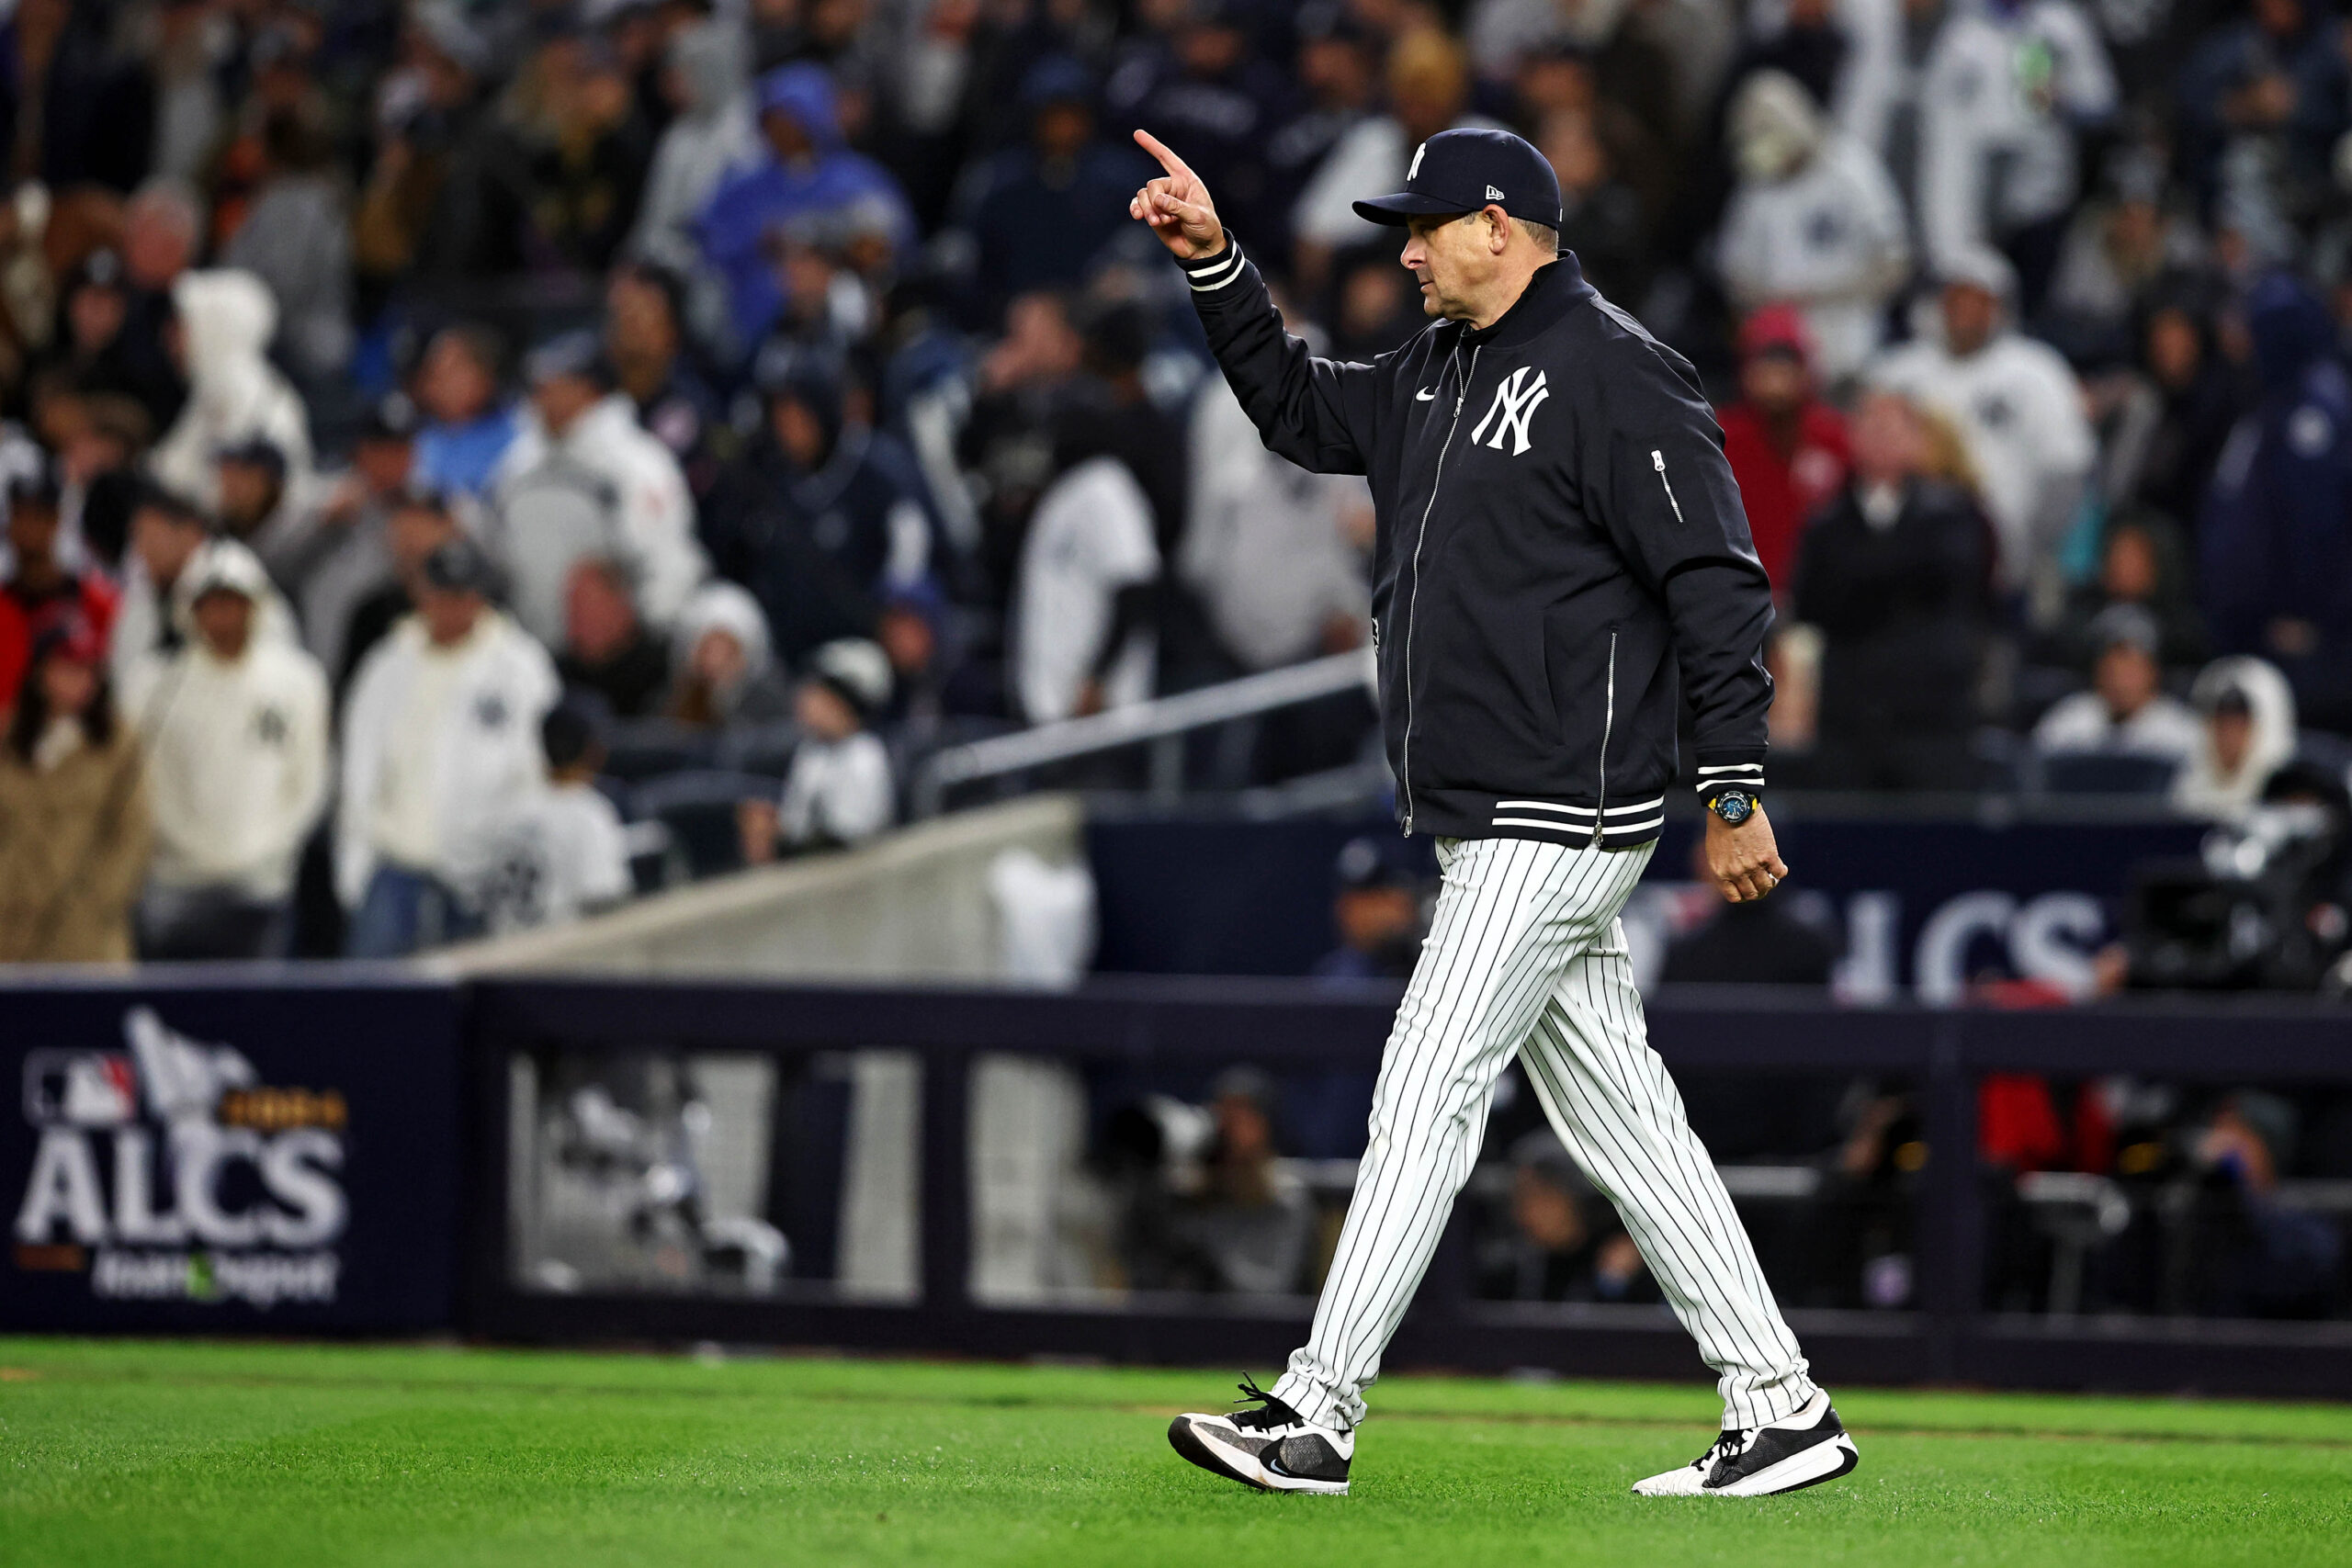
1527 957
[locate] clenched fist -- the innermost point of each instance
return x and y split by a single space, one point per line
1744 861
1177 206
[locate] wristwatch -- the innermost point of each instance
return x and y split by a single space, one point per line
1733 806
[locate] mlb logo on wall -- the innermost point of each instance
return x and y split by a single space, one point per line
168 1172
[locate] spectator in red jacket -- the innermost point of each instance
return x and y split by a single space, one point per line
1787 447
40 592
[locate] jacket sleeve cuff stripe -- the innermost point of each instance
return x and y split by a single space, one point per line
1216 272
1722 773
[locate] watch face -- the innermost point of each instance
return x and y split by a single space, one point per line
1735 807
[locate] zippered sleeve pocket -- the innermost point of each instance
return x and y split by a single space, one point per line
1657 461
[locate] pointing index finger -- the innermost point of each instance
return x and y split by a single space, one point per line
1167 160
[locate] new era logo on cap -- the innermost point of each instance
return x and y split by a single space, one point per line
1461 170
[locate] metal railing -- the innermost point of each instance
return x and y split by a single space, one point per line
1952 1330
1163 723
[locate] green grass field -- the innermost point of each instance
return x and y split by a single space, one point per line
126 1454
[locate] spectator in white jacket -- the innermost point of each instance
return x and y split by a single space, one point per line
839 790
2006 86
235 394
1815 223
582 480
2126 711
236 727
441 736
1081 630
170 543
1272 550
2019 411
561 854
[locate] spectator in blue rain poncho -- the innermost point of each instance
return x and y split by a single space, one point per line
808 169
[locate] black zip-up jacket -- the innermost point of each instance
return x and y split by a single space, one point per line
1561 553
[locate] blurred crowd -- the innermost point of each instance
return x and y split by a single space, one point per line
443 435
2113 1195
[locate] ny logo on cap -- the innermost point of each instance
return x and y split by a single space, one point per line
1516 400
1415 172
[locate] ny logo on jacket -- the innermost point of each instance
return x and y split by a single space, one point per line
1516 400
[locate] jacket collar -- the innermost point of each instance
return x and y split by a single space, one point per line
1552 293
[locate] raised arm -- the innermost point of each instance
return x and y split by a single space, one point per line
1319 413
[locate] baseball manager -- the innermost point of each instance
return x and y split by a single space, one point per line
1561 557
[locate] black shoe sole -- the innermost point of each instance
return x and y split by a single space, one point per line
1187 1442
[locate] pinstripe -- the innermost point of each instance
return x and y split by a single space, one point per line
1730 1312
1526 955
1708 1270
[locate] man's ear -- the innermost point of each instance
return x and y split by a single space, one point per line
1497 229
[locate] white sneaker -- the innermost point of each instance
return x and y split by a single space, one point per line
1804 1450
1272 1448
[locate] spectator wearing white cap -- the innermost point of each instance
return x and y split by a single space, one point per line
1815 223
2019 411
840 789
440 737
2127 710
584 478
235 725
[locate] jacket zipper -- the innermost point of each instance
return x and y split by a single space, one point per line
1405 769
1608 723
1657 461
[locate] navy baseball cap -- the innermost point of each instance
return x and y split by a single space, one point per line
1461 170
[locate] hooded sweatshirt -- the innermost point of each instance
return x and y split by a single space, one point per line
2207 789
234 393
238 762
1827 234
714 136
2277 535
745 208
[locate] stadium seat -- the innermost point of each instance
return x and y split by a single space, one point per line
645 749
699 808
2104 772
764 748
